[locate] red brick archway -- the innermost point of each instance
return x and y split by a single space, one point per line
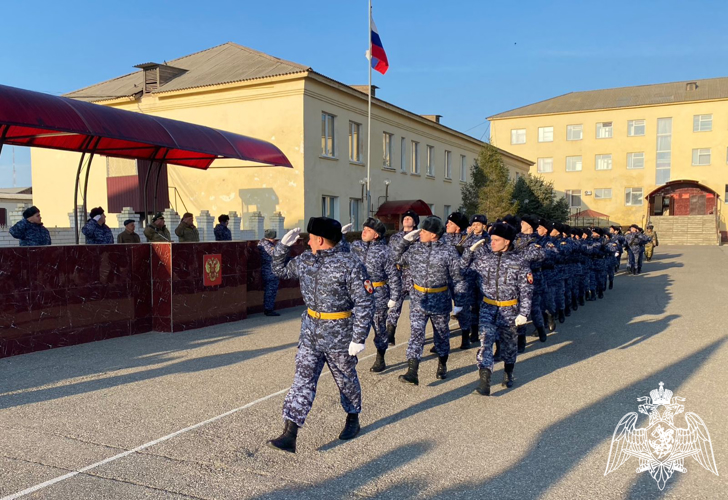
682 197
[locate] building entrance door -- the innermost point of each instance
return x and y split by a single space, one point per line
697 204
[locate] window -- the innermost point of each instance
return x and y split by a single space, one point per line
354 204
635 128
387 150
573 163
518 136
464 168
602 193
432 207
701 156
447 211
603 162
604 130
545 165
574 132
431 161
702 123
328 140
635 160
3 217
448 165
403 155
330 207
545 134
573 196
664 153
633 197
355 141
415 157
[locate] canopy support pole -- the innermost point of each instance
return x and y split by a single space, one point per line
85 144
2 136
88 169
156 182
146 186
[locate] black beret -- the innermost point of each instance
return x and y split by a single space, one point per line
376 225
547 224
30 212
459 219
415 217
531 221
513 220
504 230
128 221
434 224
479 218
96 211
325 227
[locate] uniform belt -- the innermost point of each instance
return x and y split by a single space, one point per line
500 303
335 315
377 284
430 290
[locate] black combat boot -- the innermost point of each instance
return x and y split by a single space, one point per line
592 296
287 440
562 317
474 337
581 300
351 428
441 368
465 340
484 386
600 294
270 313
390 334
497 356
567 310
546 318
411 376
379 364
541 333
639 270
521 344
574 303
433 349
551 323
611 284
508 375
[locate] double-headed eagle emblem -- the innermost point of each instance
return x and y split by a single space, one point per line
660 446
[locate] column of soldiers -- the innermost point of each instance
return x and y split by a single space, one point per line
492 278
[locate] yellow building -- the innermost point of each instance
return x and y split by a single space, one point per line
636 154
319 123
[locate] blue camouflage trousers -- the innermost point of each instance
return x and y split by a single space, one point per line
549 299
539 288
380 329
394 313
558 288
418 323
309 363
270 290
489 333
635 261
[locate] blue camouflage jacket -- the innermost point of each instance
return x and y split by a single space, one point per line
505 276
332 280
376 257
222 233
267 250
530 249
96 234
29 234
636 241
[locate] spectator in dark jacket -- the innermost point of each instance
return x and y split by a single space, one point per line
128 235
222 233
30 230
157 231
186 231
96 231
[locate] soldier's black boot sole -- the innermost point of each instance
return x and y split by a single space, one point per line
465 343
441 368
411 376
390 334
474 334
379 364
484 384
508 375
542 334
521 344
351 427
287 440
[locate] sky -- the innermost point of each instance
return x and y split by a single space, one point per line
463 59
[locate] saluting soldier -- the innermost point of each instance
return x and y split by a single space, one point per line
340 306
410 221
636 241
266 248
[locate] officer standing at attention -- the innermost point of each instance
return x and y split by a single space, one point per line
96 231
266 246
504 278
410 221
652 244
340 301
30 230
434 265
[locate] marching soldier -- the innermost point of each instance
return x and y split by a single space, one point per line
410 221
477 232
457 236
616 235
340 300
527 244
564 254
548 268
636 241
652 244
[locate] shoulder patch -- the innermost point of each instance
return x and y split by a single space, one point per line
368 286
537 245
529 277
550 245
563 243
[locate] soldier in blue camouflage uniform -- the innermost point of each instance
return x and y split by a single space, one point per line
374 253
30 230
564 254
569 268
434 266
266 247
616 234
477 232
548 270
505 280
96 231
527 243
585 263
340 301
612 249
410 221
636 240
457 236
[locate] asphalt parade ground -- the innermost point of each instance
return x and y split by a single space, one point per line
187 415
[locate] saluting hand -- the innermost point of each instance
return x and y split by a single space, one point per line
412 235
291 237
477 245
346 228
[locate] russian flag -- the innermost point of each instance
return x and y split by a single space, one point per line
378 56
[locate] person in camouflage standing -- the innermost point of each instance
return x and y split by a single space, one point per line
266 247
434 265
506 282
340 307
30 230
652 244
96 231
410 221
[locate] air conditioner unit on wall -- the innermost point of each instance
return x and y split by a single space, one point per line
587 193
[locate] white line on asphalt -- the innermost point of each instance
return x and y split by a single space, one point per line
58 479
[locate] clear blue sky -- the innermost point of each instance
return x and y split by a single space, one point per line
465 60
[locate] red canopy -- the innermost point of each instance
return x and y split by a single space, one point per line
589 214
390 211
34 119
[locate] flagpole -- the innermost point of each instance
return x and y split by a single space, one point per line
369 114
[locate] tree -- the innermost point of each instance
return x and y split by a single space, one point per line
496 195
471 190
535 196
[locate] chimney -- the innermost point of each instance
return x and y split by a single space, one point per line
365 89
690 86
433 118
157 75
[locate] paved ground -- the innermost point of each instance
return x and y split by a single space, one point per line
64 410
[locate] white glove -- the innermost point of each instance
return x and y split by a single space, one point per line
456 310
477 245
355 348
346 228
291 237
521 320
616 254
412 235
391 304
